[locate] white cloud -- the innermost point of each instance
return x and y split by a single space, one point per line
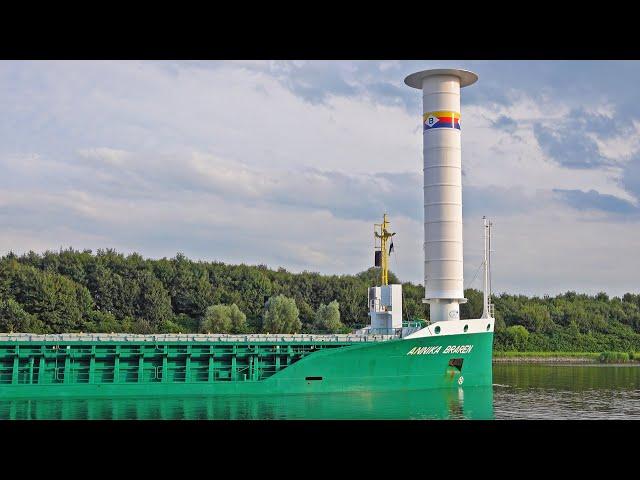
114 157
225 161
495 157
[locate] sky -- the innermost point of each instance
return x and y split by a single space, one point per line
289 163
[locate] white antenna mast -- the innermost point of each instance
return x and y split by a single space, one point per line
487 311
489 268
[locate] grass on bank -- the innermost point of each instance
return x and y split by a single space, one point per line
604 357
618 357
548 354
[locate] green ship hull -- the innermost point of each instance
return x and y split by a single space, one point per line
38 369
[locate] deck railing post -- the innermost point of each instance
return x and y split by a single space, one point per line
210 376
165 364
42 365
141 364
16 363
31 362
116 365
187 366
92 365
67 367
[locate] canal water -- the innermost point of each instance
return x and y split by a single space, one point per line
520 391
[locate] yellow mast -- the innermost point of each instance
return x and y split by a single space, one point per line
384 236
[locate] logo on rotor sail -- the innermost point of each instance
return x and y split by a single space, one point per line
441 119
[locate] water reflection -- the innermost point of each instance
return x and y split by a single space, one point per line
519 392
467 403
566 391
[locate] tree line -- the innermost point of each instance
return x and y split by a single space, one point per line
107 291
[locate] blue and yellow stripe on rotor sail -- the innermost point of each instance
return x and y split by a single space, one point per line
441 119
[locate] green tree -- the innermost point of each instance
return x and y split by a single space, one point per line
412 304
168 326
217 319
352 298
153 303
142 327
328 318
71 291
186 323
59 302
103 322
500 325
535 318
188 284
13 318
306 315
371 276
517 337
238 319
474 306
112 293
281 316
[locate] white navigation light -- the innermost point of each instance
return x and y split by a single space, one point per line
443 265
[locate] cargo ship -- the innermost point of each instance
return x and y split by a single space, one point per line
388 354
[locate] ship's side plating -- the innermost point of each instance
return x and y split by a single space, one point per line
83 368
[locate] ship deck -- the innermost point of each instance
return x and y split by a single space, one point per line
104 358
124 358
194 338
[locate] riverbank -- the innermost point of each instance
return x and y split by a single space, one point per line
558 357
